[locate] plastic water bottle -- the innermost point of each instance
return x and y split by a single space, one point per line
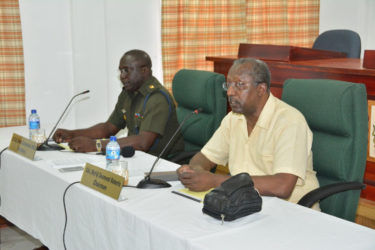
112 153
34 123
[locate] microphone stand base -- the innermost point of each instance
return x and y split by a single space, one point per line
153 183
48 147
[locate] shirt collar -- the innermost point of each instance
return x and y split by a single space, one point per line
267 112
144 89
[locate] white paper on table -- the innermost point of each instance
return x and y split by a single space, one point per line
76 161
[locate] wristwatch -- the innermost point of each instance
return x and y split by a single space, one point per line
99 145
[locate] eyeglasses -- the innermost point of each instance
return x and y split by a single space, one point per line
236 85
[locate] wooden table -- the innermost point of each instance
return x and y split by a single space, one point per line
344 69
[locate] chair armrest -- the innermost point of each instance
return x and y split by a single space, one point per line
183 157
309 199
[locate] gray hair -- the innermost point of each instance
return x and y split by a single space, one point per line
256 69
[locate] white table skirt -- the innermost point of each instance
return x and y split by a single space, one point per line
31 198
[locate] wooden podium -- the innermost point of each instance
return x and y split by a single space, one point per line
287 62
284 53
369 59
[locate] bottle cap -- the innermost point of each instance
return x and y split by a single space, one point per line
112 138
33 111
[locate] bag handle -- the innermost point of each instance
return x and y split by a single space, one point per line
236 182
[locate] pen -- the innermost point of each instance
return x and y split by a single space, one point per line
186 196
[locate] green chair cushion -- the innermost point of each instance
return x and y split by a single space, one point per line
197 130
194 89
198 89
336 112
326 107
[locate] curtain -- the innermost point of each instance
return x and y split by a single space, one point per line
194 29
283 22
12 80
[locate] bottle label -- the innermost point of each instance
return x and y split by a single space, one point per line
113 154
34 124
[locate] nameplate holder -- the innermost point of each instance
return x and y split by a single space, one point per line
103 181
22 146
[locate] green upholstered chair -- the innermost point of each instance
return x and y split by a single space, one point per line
336 112
193 89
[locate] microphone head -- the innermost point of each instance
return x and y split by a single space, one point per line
82 93
127 151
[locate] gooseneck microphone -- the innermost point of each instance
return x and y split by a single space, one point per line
147 182
45 146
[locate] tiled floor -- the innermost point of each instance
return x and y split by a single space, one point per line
13 238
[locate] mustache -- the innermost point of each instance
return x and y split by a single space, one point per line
232 100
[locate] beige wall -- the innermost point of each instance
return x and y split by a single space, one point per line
357 15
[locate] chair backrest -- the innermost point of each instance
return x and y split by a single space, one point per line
336 112
346 41
194 89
